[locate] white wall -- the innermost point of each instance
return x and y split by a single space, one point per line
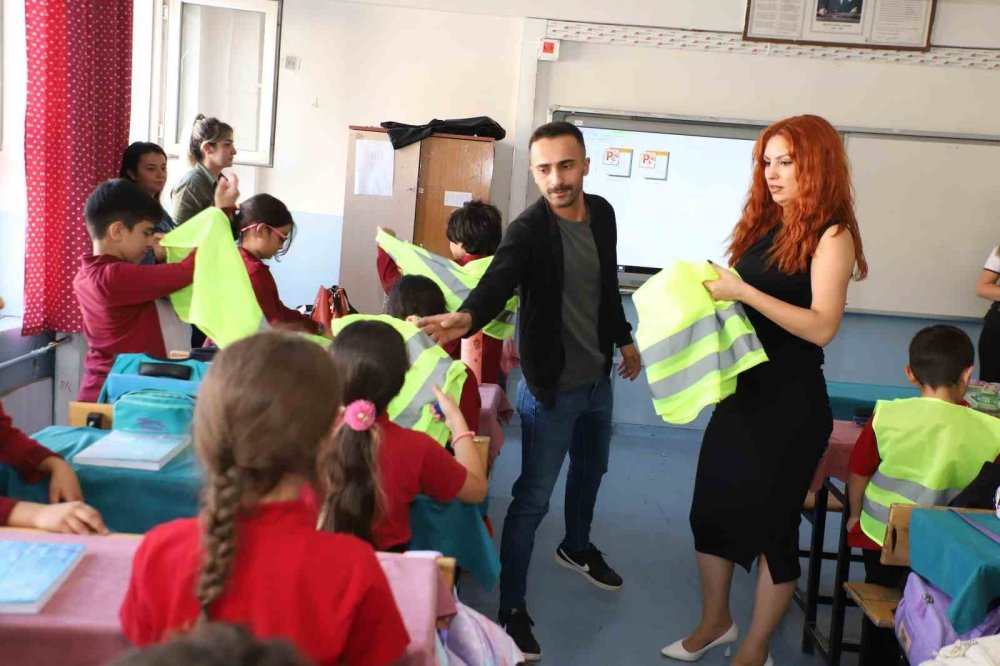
968 23
362 65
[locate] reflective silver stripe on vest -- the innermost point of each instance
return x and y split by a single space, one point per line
505 317
686 337
691 375
417 345
879 512
447 278
424 396
915 492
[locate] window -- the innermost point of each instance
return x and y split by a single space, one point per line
222 61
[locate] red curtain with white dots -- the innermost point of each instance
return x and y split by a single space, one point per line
76 128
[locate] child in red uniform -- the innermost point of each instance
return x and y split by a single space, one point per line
67 512
378 468
474 232
116 293
416 296
940 365
264 228
254 557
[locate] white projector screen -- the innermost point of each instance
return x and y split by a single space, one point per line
675 196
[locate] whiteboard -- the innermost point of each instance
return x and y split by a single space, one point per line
675 195
928 207
929 214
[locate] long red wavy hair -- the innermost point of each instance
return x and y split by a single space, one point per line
825 195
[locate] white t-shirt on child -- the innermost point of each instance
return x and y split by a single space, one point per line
993 261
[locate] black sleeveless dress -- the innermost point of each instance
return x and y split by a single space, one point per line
763 443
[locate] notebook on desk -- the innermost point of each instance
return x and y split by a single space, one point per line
133 450
31 572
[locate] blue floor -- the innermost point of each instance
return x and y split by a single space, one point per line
641 525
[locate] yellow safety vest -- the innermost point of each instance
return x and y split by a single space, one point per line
220 301
692 346
455 281
930 451
430 365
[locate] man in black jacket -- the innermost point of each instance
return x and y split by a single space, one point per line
560 256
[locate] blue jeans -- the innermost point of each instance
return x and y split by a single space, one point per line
579 422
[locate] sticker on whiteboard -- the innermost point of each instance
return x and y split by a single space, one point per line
456 199
654 164
617 162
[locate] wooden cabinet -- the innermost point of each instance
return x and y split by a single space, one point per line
429 177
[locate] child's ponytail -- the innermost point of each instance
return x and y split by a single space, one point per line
372 359
352 474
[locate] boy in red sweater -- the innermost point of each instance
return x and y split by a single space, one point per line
116 292
474 231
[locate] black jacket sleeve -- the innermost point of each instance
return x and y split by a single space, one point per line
621 330
508 269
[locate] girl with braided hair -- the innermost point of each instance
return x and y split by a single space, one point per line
253 557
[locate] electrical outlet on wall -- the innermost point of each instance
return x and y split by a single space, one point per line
292 62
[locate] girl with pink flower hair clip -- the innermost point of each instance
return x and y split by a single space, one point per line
376 468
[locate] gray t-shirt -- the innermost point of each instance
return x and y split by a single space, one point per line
581 302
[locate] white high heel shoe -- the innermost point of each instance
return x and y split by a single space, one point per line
677 651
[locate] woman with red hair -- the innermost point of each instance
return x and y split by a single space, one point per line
795 248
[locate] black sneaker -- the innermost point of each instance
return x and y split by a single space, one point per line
518 625
591 565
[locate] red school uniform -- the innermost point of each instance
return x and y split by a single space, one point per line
23 454
118 302
266 291
409 464
324 592
389 274
864 462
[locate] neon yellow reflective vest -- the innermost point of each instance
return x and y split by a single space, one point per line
930 450
220 301
692 346
429 366
454 280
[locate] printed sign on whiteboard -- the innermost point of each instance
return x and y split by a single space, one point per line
618 162
654 164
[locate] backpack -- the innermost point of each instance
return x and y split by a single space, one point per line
922 624
154 411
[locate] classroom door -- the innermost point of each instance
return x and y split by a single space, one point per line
453 169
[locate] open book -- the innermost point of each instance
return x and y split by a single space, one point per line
32 571
134 450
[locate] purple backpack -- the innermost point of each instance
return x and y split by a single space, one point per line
922 624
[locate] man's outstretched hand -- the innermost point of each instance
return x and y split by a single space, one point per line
447 327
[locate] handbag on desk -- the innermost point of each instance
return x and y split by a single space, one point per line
331 304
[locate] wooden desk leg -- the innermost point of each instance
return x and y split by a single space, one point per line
815 568
840 577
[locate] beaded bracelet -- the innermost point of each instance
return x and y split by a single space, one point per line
470 433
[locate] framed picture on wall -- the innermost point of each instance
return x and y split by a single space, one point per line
878 24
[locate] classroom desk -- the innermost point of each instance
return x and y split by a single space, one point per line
495 409
835 459
135 501
846 397
129 500
79 626
961 561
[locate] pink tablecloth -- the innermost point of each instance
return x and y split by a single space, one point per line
79 626
838 454
494 410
